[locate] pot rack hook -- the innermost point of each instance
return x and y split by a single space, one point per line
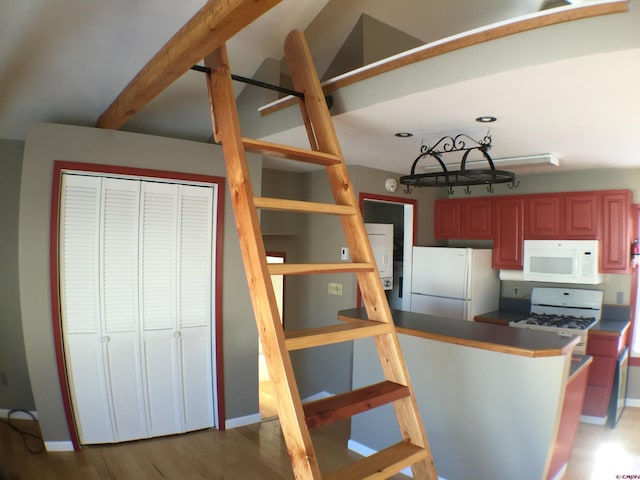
467 190
513 184
407 189
490 188
451 190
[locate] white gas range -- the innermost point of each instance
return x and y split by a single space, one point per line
566 311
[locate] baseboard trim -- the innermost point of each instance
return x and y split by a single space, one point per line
593 420
4 413
58 446
632 402
242 421
317 396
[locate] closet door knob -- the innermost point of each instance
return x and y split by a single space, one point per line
105 339
176 334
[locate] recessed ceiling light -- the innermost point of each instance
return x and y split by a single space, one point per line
486 119
404 134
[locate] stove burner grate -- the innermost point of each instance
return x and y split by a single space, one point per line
558 321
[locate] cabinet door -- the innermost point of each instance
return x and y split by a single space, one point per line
508 233
477 219
581 215
542 217
447 218
614 233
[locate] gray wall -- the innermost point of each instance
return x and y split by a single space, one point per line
13 362
318 238
46 143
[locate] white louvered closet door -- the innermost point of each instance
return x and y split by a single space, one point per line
79 256
119 267
136 283
158 226
176 305
194 303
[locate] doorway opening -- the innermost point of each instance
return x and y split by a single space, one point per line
401 213
266 399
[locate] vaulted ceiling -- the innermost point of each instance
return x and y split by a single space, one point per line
66 61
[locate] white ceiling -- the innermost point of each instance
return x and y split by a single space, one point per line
66 61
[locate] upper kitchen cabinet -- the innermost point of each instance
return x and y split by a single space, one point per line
562 216
470 219
543 217
508 234
614 231
447 218
581 212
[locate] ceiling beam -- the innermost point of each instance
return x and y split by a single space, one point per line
208 29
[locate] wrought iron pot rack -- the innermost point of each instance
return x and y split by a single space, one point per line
462 177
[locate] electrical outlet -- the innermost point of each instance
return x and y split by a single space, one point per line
4 381
516 291
335 288
344 253
619 298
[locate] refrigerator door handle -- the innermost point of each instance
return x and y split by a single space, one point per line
466 311
467 277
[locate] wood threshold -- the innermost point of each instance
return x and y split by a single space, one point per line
457 42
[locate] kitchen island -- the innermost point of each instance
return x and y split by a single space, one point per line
491 397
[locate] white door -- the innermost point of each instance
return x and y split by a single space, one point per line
136 306
119 306
176 305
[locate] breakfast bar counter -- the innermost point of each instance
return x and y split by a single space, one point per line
515 341
491 397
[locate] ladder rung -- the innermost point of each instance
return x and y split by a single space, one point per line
291 153
348 404
304 207
381 465
316 337
302 268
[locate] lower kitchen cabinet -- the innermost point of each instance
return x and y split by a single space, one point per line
604 347
570 417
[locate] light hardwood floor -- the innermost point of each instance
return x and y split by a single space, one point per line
258 452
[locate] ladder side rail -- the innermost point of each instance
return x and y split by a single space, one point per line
221 96
305 79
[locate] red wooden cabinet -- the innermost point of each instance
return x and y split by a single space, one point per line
477 218
581 213
543 219
447 218
614 231
463 218
508 234
604 348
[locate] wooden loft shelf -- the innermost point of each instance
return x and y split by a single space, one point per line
457 42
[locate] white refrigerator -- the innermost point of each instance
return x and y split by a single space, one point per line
453 282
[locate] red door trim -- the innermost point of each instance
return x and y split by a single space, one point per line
59 167
385 198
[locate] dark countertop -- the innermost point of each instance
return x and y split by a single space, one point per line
579 362
609 324
515 341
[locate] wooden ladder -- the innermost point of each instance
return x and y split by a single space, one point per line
295 417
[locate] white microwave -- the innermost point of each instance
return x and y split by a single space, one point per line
562 261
